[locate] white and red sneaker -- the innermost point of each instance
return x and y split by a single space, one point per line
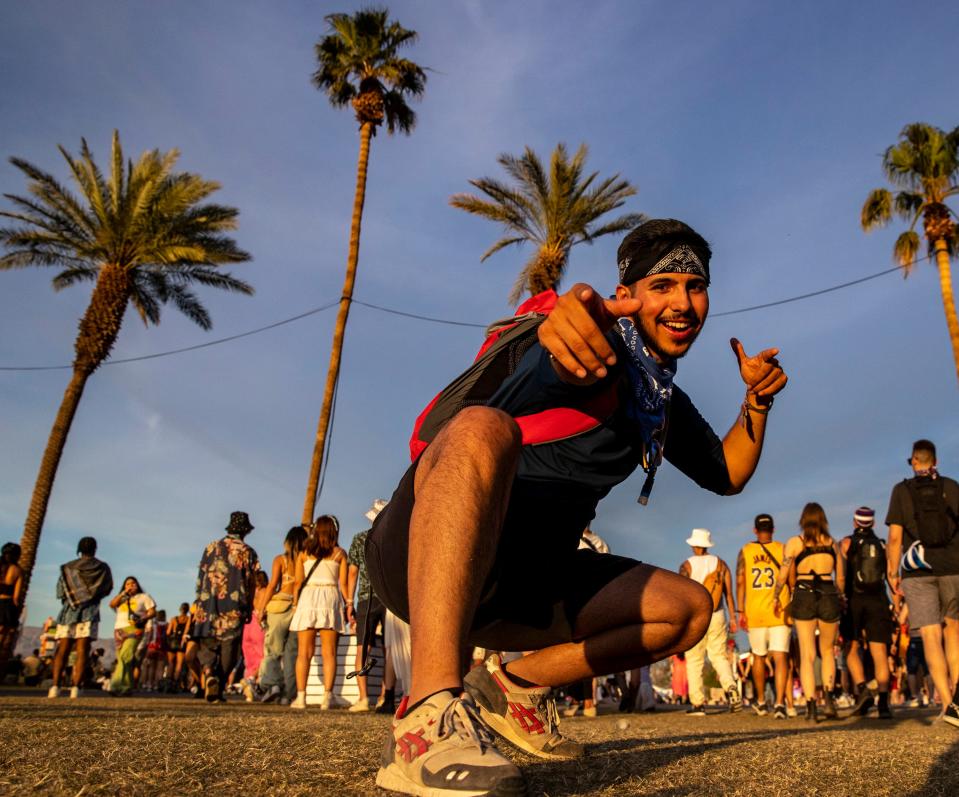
525 717
442 748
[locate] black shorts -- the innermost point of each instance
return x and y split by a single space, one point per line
369 614
816 600
916 656
539 581
9 614
869 615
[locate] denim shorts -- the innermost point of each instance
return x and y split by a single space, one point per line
816 600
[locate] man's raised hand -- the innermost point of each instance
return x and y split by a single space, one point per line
762 373
574 333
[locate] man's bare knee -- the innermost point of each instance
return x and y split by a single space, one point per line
477 430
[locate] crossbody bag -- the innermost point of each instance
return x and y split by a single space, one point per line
787 613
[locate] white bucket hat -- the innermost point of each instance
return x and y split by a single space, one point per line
376 508
701 538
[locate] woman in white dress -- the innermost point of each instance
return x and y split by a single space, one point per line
320 603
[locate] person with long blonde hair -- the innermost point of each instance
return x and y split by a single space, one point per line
320 603
816 605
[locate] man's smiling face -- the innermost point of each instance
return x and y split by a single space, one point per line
674 309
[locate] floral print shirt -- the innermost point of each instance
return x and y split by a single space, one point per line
224 594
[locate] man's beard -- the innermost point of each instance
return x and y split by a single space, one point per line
648 330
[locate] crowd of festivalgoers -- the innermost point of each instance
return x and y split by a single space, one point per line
836 625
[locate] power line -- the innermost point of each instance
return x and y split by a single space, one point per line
256 331
433 320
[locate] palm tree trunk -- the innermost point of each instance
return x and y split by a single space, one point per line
319 446
98 331
30 540
948 300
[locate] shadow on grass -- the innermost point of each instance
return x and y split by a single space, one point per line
943 778
611 762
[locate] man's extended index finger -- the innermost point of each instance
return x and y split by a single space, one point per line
618 308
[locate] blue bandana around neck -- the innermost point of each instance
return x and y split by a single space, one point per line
651 382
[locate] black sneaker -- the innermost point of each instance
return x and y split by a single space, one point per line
443 747
760 710
696 711
884 712
211 689
864 702
829 709
951 714
779 712
525 717
734 699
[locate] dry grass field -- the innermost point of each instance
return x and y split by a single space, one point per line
179 746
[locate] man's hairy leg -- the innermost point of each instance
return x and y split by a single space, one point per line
950 637
462 489
644 615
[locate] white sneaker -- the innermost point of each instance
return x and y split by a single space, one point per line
74 692
299 701
326 701
361 704
444 748
791 711
53 692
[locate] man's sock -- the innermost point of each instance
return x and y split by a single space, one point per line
883 700
389 695
454 689
517 680
955 695
860 687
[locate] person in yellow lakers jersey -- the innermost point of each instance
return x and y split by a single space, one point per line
756 571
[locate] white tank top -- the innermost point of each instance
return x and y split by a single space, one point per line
327 573
702 566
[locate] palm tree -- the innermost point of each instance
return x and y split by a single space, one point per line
142 236
925 166
359 66
553 211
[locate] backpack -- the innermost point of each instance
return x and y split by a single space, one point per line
936 522
506 342
713 584
867 563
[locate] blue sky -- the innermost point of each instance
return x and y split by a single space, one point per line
760 124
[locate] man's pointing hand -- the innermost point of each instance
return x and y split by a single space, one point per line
574 332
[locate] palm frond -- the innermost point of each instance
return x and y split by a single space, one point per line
876 210
905 249
502 243
73 275
908 205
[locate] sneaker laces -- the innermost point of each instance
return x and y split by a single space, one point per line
461 718
551 712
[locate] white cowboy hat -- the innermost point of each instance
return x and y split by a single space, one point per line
701 538
376 508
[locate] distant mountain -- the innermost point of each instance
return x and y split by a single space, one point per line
30 641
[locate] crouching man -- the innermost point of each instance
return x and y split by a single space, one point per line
479 543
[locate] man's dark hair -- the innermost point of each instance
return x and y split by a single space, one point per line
87 547
654 239
926 450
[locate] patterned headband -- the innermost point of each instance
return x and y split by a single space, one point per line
681 260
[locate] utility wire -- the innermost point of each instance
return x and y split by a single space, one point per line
434 320
185 348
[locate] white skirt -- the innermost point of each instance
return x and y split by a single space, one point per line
320 607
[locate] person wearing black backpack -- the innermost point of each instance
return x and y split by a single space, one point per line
923 522
867 622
